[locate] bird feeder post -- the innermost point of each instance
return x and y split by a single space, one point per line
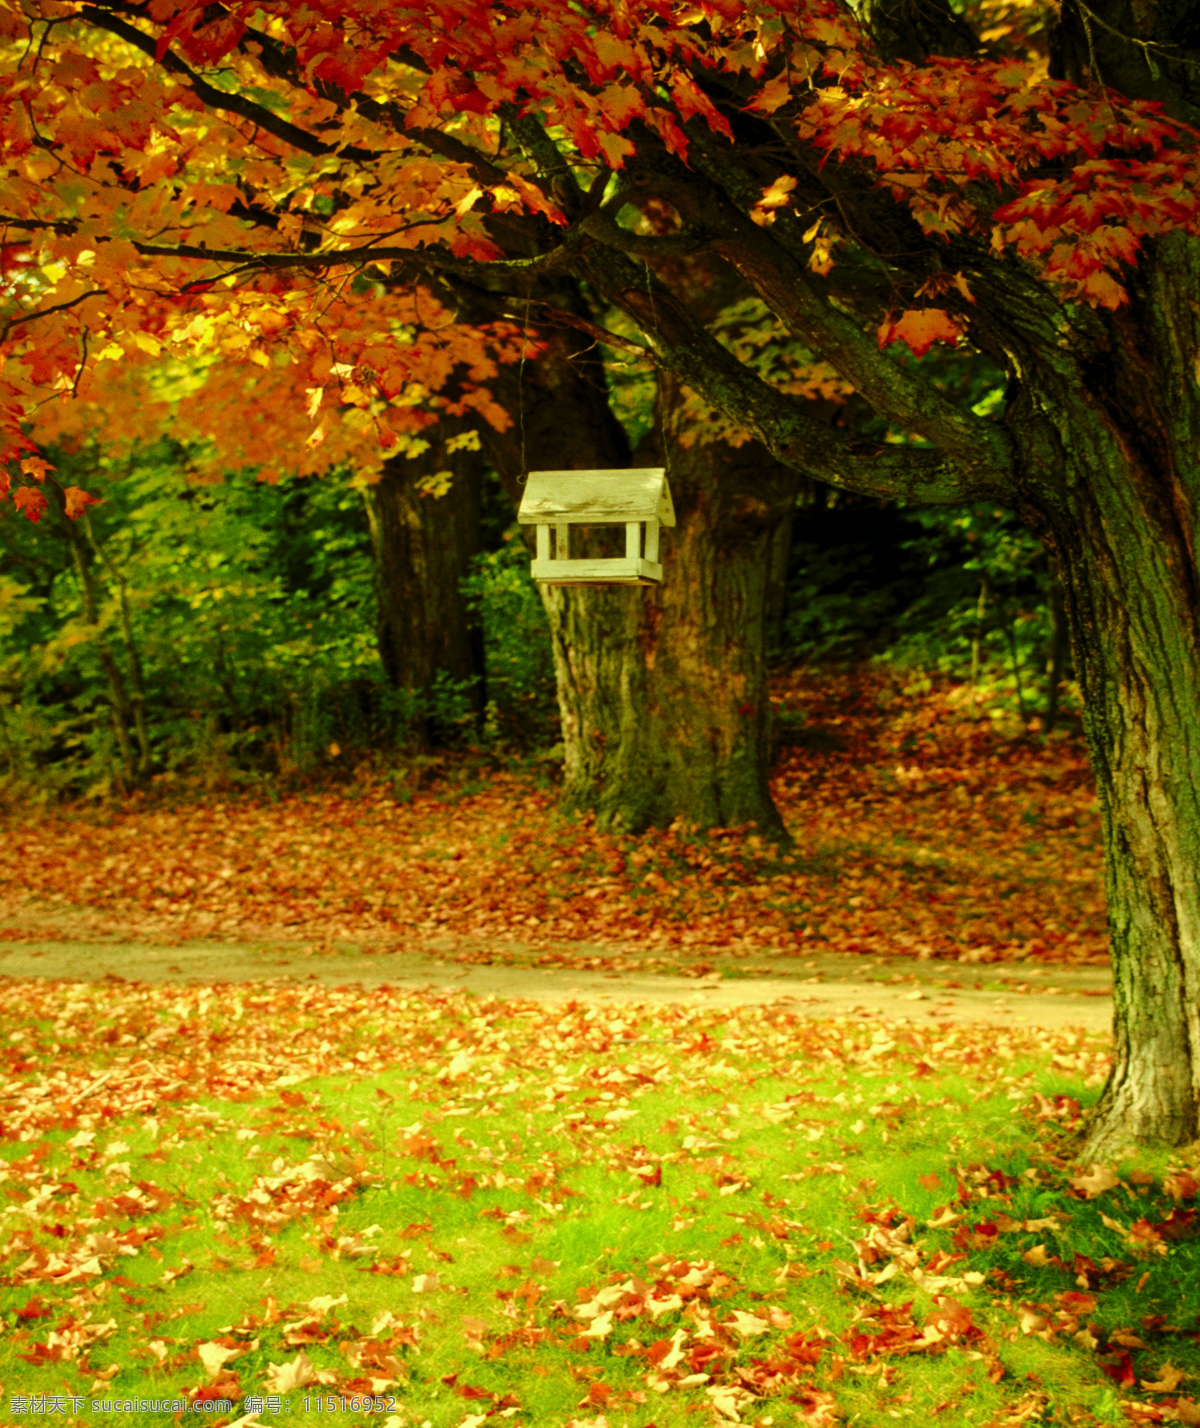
639 500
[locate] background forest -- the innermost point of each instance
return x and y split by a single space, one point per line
224 634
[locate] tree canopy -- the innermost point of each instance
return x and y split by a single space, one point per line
357 203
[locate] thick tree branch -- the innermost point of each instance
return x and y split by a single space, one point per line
784 423
787 289
548 160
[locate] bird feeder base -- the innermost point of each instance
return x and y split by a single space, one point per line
635 570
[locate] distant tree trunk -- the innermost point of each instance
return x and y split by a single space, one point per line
977 636
137 683
118 695
423 546
1059 636
779 555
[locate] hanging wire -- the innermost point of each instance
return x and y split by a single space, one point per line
662 403
524 474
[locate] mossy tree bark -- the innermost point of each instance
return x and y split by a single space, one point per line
663 688
1109 436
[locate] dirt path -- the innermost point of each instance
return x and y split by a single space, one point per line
903 989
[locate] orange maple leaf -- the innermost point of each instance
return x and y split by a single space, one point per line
77 501
920 328
30 500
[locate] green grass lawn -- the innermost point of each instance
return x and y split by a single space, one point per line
438 1210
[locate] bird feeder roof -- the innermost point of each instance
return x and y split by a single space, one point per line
597 497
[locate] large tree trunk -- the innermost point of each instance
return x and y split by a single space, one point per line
663 688
1123 525
423 547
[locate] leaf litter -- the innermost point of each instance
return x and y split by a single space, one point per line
919 831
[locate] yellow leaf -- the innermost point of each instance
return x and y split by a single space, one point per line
772 95
282 1378
746 1325
600 1327
467 201
436 485
1095 1181
214 1357
778 193
112 353
1168 1380
148 343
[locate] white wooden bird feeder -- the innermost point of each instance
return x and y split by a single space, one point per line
554 501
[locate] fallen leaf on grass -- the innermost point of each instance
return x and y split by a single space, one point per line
282 1378
1095 1181
214 1356
745 1325
729 1401
1168 1380
1181 1185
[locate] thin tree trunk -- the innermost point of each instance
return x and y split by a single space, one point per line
779 554
137 683
9 748
977 640
117 694
1010 634
423 546
1057 654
